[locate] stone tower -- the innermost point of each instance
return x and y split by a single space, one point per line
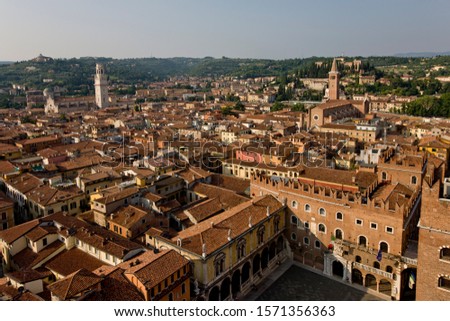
333 82
101 87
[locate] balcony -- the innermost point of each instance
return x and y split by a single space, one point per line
373 270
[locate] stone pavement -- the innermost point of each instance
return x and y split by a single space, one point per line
293 283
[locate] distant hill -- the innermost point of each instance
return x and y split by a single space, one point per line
6 62
422 54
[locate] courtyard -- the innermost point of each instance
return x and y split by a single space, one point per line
298 284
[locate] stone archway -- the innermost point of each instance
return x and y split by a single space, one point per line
338 269
371 282
357 277
225 289
236 283
272 251
385 287
245 276
280 244
264 258
408 284
256 264
214 294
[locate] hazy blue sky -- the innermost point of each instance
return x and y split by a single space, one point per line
232 28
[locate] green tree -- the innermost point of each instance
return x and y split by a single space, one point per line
298 107
277 106
239 106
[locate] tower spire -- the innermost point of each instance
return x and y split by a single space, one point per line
333 66
333 82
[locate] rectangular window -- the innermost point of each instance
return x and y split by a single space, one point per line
373 225
3 216
44 242
107 256
359 222
389 230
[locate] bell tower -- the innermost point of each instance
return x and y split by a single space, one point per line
333 82
101 87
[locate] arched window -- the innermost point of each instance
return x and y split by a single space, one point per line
294 204
444 254
294 219
219 264
322 228
339 216
276 223
293 236
317 244
384 247
322 211
389 269
338 234
444 283
307 208
358 259
306 225
376 264
306 240
241 248
261 232
362 241
383 176
414 180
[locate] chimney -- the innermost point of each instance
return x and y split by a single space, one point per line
204 250
268 211
229 234
250 221
212 224
179 242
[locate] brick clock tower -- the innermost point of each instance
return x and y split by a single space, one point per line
333 82
101 87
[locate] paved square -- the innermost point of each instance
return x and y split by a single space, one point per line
298 284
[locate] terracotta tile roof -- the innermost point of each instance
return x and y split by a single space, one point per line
214 232
95 236
47 195
151 268
351 178
114 287
25 183
6 167
235 184
128 216
153 197
27 259
72 260
39 232
15 232
120 194
24 276
74 284
9 293
395 194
